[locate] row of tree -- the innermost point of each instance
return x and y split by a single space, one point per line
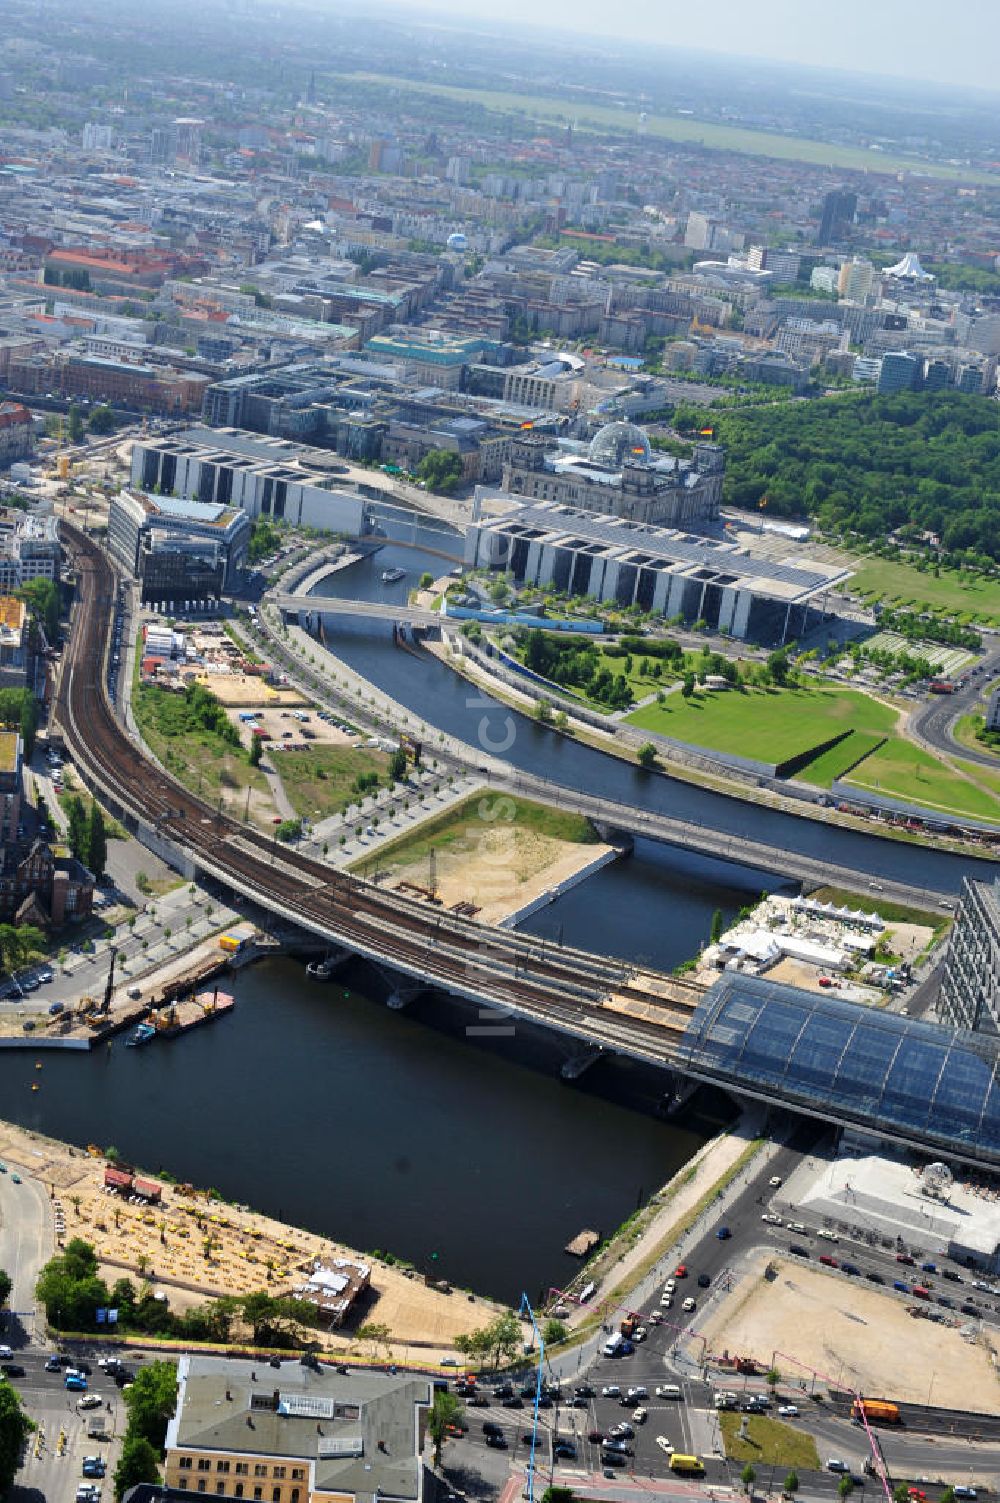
87 834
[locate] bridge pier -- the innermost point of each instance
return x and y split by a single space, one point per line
577 1064
677 1095
624 840
402 996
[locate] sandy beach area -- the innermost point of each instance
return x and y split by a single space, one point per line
194 1248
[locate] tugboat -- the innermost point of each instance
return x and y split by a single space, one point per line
142 1034
319 970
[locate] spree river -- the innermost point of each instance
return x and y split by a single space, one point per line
382 1129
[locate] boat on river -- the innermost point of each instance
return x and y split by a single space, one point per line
390 576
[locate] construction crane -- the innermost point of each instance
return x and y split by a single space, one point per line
530 1478
110 985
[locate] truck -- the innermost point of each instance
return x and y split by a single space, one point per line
629 1325
690 1466
876 1412
613 1345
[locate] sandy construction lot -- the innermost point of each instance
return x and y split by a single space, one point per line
853 1335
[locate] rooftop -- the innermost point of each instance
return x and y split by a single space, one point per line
10 748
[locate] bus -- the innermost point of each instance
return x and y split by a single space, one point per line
691 1466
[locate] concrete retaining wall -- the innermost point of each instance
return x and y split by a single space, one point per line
551 893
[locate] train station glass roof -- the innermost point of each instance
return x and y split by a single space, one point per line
932 1086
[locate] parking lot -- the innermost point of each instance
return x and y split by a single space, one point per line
54 1461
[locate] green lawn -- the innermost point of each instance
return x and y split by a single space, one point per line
771 725
905 771
203 761
770 1443
893 913
952 592
579 112
460 828
321 781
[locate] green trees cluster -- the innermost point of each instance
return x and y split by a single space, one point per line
87 834
193 713
576 665
102 420
441 470
498 1342
150 1401
41 596
264 540
865 464
19 712
15 1427
922 626
19 943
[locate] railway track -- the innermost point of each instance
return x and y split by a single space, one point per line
501 970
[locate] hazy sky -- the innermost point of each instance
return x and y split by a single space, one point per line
957 42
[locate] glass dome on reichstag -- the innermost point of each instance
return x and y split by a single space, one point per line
616 444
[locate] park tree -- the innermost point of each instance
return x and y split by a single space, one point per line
901 1493
151 1400
687 688
397 765
773 1377
41 596
777 665
554 1331
256 751
791 1483
716 935
845 1486
97 841
748 1477
441 470
15 1427
646 755
6 1285
18 943
74 424
555 1494
70 1289
137 1463
102 420
445 1410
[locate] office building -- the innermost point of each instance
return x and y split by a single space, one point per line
970 984
898 371
178 549
784 265
298 1434
857 279
839 209
618 474
658 569
28 550
268 477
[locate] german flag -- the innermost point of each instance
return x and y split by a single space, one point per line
707 432
526 425
762 502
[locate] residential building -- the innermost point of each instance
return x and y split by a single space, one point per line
618 475
28 550
857 279
970 983
14 642
302 1434
658 569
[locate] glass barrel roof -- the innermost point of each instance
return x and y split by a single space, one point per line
933 1086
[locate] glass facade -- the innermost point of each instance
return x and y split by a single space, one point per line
934 1087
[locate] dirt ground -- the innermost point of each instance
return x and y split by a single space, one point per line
169 1245
800 973
847 1334
247 691
506 869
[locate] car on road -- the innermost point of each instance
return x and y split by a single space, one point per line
703 1281
596 1436
513 1401
680 1272
12 1369
636 1392
578 1401
611 1391
565 1449
585 1391
74 1380
640 1416
724 1234
916 1495
962 1491
850 1268
828 1260
689 1305
87 1493
665 1445
666 1301
836 1465
497 1442
774 1181
89 1401
904 1257
624 1431
670 1286
94 1466
874 1278
772 1218
6 1351
53 1365
788 1411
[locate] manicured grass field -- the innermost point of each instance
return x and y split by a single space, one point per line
677 128
769 725
834 763
952 591
905 771
770 1443
320 781
459 829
